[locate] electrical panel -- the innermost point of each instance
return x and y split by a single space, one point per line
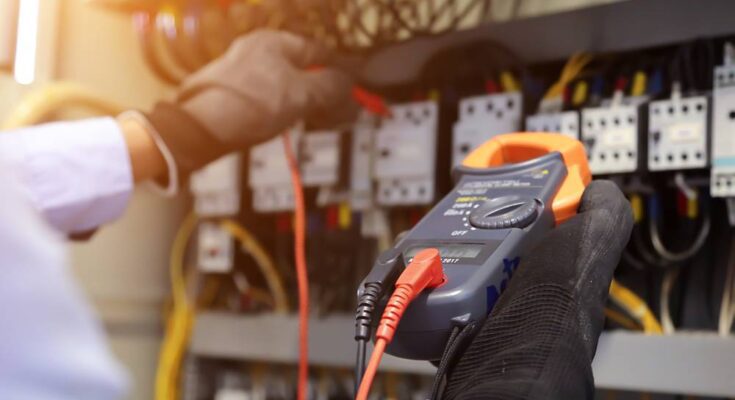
483 117
677 133
723 133
361 184
215 250
565 123
269 175
405 155
319 158
610 135
216 187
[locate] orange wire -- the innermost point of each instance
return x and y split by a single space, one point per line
301 273
371 370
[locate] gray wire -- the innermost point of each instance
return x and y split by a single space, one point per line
671 256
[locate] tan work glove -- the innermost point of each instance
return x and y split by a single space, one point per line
262 86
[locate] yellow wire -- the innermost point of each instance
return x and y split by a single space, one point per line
40 103
267 267
571 70
178 327
621 319
636 307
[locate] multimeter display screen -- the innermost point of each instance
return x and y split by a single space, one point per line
448 250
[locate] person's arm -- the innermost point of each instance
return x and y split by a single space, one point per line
51 345
79 175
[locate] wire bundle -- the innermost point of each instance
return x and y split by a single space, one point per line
180 36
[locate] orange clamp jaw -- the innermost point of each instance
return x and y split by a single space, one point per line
518 147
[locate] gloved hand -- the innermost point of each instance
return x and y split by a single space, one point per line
261 87
541 337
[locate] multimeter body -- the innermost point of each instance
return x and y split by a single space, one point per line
482 230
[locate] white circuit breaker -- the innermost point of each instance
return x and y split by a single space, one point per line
611 136
723 132
677 133
319 158
269 176
216 189
405 155
565 123
483 117
361 162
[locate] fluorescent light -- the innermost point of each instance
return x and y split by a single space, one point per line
25 46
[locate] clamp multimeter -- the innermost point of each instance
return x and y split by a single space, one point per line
508 193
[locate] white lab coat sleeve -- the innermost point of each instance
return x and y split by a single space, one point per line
51 346
76 174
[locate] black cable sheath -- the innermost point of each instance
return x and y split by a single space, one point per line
456 343
363 325
360 362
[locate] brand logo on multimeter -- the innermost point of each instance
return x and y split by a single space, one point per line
510 265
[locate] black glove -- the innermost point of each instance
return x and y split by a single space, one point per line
541 337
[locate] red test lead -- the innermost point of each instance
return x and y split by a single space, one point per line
424 271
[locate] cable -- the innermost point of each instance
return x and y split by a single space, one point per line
571 70
727 306
265 263
701 239
457 341
363 320
40 103
360 362
667 285
302 277
635 306
181 318
424 271
684 255
143 22
385 272
621 319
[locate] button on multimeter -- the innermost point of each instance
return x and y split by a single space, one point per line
505 212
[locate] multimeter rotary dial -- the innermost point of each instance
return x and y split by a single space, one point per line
505 212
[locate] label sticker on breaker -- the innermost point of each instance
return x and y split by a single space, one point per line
405 155
216 252
723 132
677 134
611 138
565 123
483 117
269 176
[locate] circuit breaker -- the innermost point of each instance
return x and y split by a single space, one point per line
361 161
216 187
216 190
611 137
269 175
723 132
565 123
481 118
319 158
677 133
405 155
